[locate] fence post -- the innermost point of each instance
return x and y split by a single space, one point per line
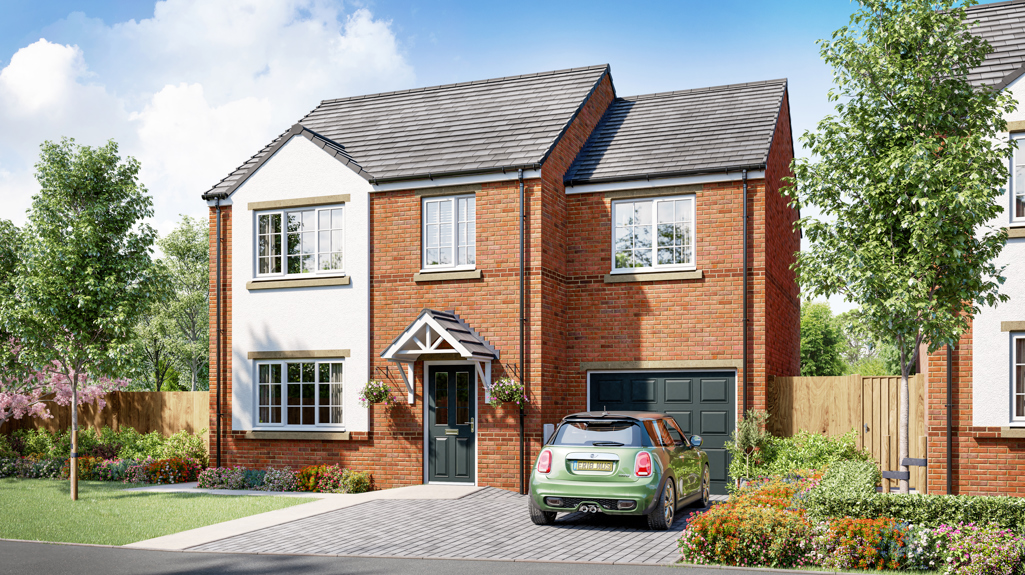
885 463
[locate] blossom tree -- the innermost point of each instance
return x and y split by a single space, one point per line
29 394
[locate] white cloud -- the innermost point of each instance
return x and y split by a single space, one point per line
191 92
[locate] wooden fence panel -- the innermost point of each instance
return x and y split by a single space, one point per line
165 411
870 405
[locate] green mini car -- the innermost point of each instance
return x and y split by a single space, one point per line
621 463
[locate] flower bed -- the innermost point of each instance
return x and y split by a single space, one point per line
314 478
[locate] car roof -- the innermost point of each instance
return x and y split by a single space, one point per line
614 415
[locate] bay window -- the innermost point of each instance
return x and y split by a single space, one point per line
299 393
653 234
299 242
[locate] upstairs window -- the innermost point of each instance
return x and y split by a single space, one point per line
1018 181
449 233
653 234
298 242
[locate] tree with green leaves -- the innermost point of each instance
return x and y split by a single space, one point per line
906 176
821 341
187 264
84 274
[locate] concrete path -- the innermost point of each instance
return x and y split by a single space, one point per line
486 524
326 502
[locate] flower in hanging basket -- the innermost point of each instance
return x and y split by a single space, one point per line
506 390
375 391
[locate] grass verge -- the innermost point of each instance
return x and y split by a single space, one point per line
105 513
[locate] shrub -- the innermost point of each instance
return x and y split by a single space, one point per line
223 478
850 479
982 550
6 450
184 444
172 470
745 535
358 481
86 466
748 439
112 469
8 466
139 446
137 473
847 543
39 467
927 510
279 480
778 492
334 479
35 442
783 455
254 478
308 477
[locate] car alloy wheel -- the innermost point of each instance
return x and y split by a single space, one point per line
706 488
668 504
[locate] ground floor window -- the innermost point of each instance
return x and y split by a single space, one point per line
1018 377
299 393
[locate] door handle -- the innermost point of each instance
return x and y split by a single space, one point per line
471 425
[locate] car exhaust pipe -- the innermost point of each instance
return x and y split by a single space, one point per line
589 508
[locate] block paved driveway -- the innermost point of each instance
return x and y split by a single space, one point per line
488 524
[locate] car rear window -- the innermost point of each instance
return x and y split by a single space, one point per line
601 434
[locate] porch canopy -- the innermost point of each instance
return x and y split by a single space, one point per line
435 333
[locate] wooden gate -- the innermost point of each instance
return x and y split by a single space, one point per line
836 405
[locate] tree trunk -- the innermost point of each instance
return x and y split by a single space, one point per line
902 428
193 370
73 463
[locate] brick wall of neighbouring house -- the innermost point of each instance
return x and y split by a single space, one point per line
225 367
983 462
782 242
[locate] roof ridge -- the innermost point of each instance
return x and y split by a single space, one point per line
777 81
993 5
460 84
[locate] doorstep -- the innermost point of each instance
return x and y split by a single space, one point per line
324 503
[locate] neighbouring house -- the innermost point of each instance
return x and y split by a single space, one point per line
381 238
987 368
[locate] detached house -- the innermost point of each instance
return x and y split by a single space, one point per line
975 395
607 252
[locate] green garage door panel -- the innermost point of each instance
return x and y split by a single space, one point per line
701 403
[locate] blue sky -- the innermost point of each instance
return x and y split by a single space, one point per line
192 88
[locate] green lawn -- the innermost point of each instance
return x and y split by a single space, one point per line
42 510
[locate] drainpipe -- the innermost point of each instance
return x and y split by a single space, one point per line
950 426
217 337
523 320
743 381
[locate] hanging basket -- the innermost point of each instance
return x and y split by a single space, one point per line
506 390
376 391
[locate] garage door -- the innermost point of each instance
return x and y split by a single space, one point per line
702 403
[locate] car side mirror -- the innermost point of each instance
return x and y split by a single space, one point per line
695 440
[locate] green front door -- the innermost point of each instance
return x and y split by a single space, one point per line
702 403
451 430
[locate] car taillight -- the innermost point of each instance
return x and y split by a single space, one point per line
544 463
642 466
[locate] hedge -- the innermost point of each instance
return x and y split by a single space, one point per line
928 510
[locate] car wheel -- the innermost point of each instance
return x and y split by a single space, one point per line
661 517
538 515
706 489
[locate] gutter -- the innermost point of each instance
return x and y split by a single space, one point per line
662 175
523 320
217 337
456 173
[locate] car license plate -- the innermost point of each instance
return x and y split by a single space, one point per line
592 466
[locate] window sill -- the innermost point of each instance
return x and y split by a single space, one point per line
297 283
442 276
1013 432
653 276
1016 231
300 435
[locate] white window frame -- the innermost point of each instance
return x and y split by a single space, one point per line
1015 363
284 396
1013 193
656 267
317 251
455 266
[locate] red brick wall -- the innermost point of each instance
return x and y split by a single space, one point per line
225 367
782 297
983 462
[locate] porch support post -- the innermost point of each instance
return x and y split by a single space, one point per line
407 378
484 373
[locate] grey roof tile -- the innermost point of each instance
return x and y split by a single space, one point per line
700 130
1002 24
479 125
